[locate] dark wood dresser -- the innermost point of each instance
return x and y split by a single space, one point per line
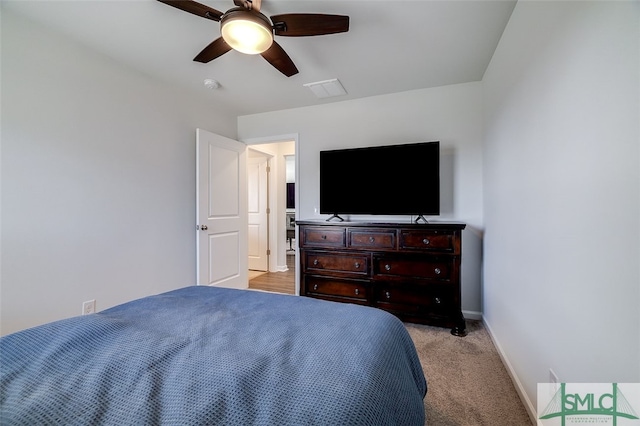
411 270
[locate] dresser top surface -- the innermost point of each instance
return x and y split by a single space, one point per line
404 225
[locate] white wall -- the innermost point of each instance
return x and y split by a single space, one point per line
451 115
98 179
291 168
562 192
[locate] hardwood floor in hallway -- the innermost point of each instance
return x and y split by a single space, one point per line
279 282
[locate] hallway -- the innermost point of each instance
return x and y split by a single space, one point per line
279 282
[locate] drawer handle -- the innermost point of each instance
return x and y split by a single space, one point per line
426 241
437 271
315 262
371 239
315 286
437 300
387 295
387 267
357 291
357 265
324 237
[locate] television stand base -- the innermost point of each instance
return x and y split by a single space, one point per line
421 218
335 216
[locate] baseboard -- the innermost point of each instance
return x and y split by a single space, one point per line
528 405
472 315
281 268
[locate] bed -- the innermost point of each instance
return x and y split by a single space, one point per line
214 356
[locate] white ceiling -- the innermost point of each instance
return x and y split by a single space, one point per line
392 46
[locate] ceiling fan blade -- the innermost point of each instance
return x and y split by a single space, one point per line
249 4
216 48
277 57
309 24
195 8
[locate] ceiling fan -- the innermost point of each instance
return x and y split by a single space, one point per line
245 29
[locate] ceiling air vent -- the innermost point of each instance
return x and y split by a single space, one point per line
326 88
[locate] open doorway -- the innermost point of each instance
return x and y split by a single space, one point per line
279 274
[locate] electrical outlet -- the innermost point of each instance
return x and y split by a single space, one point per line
89 307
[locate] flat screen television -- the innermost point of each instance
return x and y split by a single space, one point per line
381 180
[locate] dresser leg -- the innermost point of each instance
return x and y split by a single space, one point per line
460 329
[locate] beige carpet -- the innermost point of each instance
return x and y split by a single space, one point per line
466 380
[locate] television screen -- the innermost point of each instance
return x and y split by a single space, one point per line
381 180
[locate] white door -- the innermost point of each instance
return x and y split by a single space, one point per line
221 211
257 192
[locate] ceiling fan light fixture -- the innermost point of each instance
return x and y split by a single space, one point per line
246 31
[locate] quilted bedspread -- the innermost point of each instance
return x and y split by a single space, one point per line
214 356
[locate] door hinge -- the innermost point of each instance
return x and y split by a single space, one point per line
268 169
268 252
268 210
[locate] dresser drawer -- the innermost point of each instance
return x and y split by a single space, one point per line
323 237
372 239
427 268
339 288
411 299
429 240
330 263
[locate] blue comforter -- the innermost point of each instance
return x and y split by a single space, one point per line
208 356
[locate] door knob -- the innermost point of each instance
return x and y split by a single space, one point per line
204 227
